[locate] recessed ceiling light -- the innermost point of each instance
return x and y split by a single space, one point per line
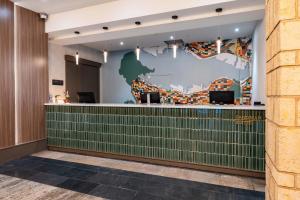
175 17
171 37
236 30
137 23
77 32
219 10
121 43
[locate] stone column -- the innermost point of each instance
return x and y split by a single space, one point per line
283 99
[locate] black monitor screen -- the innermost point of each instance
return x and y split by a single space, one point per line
86 97
154 97
221 97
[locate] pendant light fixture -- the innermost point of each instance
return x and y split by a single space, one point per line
77 58
219 41
105 56
219 44
138 51
174 50
174 45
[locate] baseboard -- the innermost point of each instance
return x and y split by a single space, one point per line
260 175
18 151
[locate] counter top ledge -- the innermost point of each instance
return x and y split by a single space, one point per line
228 107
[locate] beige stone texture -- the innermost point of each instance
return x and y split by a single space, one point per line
289 35
270 110
287 194
274 82
288 79
284 111
281 178
284 58
297 57
269 84
270 184
298 8
285 10
288 150
298 112
297 181
273 44
267 196
270 65
270 140
283 99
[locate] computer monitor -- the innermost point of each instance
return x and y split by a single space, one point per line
221 97
154 97
86 97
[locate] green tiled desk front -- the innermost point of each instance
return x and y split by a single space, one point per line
217 137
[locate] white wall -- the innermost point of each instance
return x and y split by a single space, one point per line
259 63
57 63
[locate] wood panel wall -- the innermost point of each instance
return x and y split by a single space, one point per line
7 112
32 75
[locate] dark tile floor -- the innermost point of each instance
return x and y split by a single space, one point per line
118 184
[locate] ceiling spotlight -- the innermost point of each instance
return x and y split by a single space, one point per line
121 43
175 17
105 28
138 51
236 30
77 58
137 23
77 32
219 10
171 37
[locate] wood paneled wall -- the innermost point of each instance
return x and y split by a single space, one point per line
7 112
32 75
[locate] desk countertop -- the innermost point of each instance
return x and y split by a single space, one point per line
228 107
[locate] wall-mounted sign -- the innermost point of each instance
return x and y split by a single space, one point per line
57 82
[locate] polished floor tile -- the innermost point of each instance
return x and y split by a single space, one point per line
64 177
78 185
172 172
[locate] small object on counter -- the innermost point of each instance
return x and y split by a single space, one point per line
50 99
258 103
58 99
67 97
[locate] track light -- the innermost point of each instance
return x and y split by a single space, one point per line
219 43
138 51
77 58
105 56
174 50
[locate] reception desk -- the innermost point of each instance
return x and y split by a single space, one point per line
226 139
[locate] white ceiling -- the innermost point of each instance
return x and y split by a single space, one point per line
56 6
201 34
197 21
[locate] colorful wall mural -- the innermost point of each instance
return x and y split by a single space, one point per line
184 80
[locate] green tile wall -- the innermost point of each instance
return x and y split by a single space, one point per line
228 138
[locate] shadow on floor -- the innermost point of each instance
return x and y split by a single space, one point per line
117 184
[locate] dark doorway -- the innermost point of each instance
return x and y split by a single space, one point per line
84 77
